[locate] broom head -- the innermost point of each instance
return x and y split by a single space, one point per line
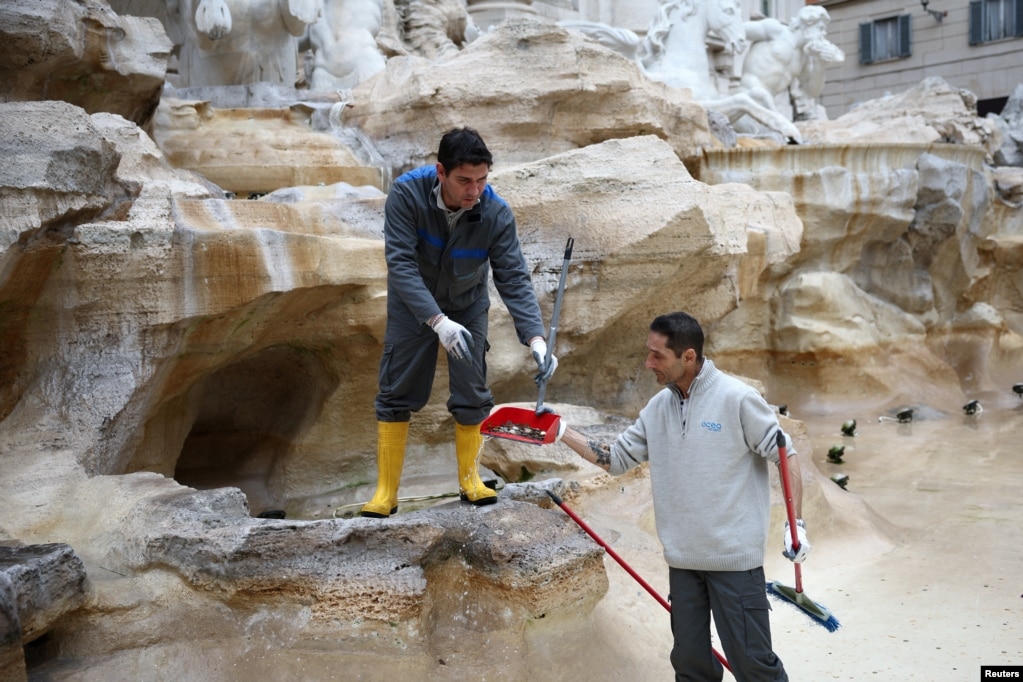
817 613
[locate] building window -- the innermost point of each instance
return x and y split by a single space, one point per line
886 39
992 20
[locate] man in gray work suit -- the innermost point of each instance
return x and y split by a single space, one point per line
445 228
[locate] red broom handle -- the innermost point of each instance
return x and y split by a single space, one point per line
790 508
621 562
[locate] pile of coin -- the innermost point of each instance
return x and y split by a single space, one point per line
513 429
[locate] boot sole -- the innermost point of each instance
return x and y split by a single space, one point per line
482 502
378 515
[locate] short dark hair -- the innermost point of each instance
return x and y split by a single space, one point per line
682 331
460 146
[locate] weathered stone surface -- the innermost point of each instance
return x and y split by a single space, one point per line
258 150
142 243
583 94
638 217
1008 184
903 224
83 53
1010 127
933 111
58 169
39 585
12 653
47 580
340 579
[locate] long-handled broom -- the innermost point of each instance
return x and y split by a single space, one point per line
795 596
628 569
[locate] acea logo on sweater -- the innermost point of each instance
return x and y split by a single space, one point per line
714 427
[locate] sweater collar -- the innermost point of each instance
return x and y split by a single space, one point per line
700 382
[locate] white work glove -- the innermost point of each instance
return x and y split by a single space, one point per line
455 338
562 426
804 545
539 348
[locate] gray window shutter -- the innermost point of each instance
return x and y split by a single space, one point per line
1019 18
867 42
905 35
976 22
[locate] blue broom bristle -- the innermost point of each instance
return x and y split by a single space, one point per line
830 623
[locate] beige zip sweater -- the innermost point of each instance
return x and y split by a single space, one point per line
709 476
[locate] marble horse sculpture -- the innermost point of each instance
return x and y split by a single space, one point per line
674 52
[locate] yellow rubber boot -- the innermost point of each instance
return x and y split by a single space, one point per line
391 438
468 447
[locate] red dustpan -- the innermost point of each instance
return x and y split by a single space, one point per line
538 426
521 424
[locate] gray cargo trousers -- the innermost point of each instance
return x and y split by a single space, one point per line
739 604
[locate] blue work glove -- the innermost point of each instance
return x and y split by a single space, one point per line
796 556
455 338
539 348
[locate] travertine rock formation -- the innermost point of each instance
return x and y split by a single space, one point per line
155 334
39 586
1010 126
933 111
545 91
361 585
83 53
258 150
899 241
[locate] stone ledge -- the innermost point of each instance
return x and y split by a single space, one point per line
38 585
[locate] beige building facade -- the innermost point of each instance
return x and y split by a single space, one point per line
891 45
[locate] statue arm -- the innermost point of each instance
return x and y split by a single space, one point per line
762 29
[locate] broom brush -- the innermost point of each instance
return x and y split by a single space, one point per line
795 596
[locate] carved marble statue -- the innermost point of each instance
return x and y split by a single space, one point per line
781 56
233 42
674 52
343 41
435 29
354 38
